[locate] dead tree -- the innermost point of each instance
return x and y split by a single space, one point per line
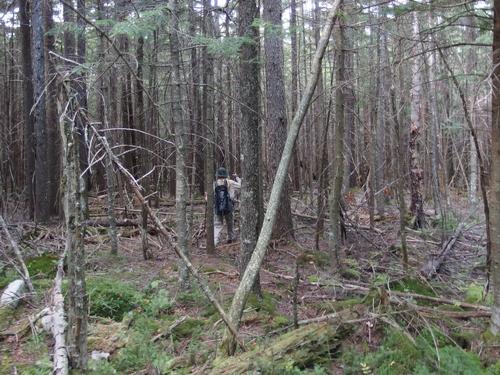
73 187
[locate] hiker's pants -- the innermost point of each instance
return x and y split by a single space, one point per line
219 224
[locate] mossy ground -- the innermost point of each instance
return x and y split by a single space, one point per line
132 300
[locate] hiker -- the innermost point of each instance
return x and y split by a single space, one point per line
224 190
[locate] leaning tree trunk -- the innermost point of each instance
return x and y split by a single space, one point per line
495 173
252 270
276 108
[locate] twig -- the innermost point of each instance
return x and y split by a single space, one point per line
25 275
170 329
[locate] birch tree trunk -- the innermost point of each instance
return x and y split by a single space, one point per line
416 172
252 270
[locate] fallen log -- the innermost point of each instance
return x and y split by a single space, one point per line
106 223
431 267
57 324
301 348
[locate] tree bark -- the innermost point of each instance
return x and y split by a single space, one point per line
73 187
416 172
252 270
295 84
42 176
335 199
53 152
28 117
208 129
495 172
180 144
276 108
250 139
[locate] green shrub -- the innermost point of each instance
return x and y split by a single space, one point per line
43 266
112 299
160 303
413 285
398 355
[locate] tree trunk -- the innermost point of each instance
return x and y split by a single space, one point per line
250 140
53 152
252 270
335 199
416 172
74 186
28 118
42 176
495 172
276 108
180 144
295 84
208 126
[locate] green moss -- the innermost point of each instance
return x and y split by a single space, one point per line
412 285
334 306
278 321
6 317
267 303
111 298
474 293
350 269
43 266
192 298
189 327
7 276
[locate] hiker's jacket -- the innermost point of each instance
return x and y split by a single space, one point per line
232 186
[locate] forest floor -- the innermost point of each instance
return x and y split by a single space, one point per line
382 319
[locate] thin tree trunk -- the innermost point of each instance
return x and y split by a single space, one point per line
401 179
416 172
495 173
42 209
208 126
28 118
74 217
180 144
53 152
295 84
252 270
335 199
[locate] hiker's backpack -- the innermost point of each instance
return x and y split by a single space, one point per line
223 204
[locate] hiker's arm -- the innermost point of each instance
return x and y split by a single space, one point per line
236 182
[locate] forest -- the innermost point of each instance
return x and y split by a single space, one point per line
249 187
